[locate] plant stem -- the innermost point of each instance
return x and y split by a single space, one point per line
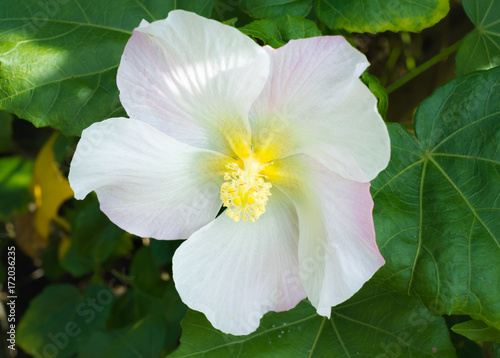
426 65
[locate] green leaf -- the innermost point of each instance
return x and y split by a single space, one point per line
381 15
437 205
64 148
480 49
94 240
51 265
134 305
162 251
93 234
77 265
261 9
378 90
230 22
295 27
278 31
146 274
151 295
372 322
496 350
60 320
466 348
58 59
149 286
264 30
146 338
477 331
15 178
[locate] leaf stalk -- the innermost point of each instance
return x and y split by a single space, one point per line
423 67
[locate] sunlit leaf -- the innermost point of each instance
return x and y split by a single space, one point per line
50 188
381 15
480 49
437 205
372 322
58 59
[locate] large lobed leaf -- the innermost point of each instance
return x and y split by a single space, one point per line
374 322
381 15
58 58
443 186
480 49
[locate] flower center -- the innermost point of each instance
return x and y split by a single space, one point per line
245 193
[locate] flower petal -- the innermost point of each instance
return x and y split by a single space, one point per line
235 272
194 79
337 248
147 183
315 103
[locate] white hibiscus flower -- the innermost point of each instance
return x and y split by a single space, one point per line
286 140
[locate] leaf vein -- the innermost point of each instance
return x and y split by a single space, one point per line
315 342
339 338
464 198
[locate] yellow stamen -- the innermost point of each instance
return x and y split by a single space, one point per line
245 192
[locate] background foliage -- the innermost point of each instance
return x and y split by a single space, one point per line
88 289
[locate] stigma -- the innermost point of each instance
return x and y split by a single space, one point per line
245 192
